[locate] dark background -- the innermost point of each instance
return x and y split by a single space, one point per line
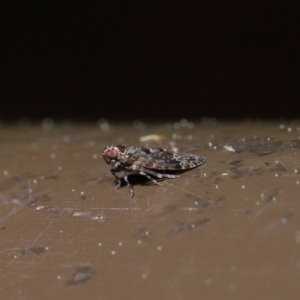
124 60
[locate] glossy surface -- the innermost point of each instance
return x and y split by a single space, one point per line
227 230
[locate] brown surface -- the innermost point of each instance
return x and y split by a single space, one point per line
227 230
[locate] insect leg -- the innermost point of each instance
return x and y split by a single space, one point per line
129 185
149 177
113 171
158 175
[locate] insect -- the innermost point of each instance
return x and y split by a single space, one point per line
149 162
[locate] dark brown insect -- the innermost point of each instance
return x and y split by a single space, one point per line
149 162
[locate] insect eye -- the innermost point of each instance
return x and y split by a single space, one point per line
112 154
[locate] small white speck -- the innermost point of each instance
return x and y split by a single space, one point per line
47 124
283 220
257 203
113 252
39 208
147 233
204 174
144 276
120 244
140 125
104 126
289 129
224 174
243 187
281 126
229 148
196 202
99 244
34 145
5 173
78 214
151 137
159 248
176 125
210 144
262 196
233 268
183 122
52 155
276 175
190 125
73 190
139 242
42 177
193 226
99 218
46 248
217 186
58 277
215 147
82 193
297 182
296 171
269 139
274 198
15 256
208 281
95 156
60 231
34 181
66 139
59 168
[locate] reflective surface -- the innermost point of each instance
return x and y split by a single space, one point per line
229 229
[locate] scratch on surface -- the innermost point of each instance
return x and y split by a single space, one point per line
36 250
12 212
274 225
180 226
188 192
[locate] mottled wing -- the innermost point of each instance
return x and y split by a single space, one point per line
160 159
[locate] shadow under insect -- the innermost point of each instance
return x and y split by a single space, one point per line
137 179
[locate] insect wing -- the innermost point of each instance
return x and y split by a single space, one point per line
160 159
